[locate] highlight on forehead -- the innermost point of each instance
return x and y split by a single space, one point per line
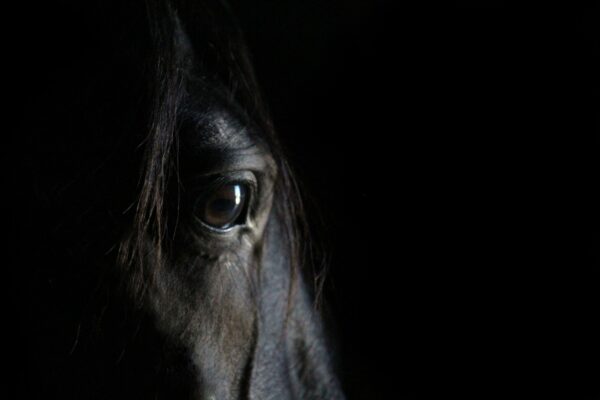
220 130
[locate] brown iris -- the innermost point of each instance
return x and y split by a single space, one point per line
223 207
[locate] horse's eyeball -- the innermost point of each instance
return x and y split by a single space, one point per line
223 207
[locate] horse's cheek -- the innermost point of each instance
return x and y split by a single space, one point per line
210 315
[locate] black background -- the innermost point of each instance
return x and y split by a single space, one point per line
450 153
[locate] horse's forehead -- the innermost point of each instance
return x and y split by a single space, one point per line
220 129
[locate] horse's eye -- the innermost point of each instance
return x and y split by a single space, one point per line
223 207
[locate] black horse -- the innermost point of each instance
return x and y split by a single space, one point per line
163 239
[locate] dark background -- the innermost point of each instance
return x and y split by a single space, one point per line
450 155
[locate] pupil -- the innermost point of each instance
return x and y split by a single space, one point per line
222 206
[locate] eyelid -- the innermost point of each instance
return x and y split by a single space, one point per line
210 164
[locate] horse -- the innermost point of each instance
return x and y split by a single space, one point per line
163 242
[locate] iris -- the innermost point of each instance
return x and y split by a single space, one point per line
223 207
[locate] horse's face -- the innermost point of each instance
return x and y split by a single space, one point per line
163 225
204 297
